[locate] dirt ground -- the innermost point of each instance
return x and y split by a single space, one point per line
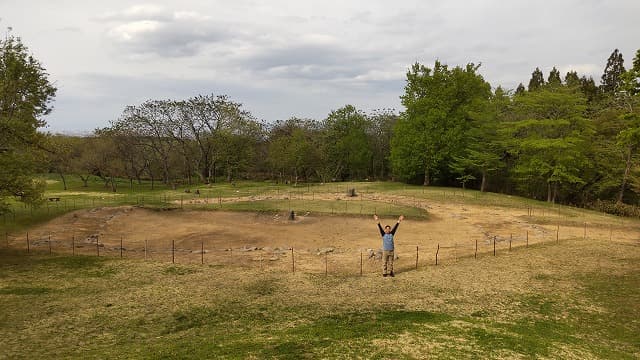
318 243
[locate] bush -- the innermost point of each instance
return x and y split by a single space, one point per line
614 208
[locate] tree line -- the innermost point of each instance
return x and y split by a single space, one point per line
562 138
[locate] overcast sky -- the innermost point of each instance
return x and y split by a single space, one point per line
282 59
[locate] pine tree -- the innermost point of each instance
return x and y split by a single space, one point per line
611 80
537 80
572 79
554 77
588 88
520 89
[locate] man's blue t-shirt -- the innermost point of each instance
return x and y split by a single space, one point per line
387 239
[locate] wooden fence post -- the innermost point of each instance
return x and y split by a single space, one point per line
360 263
293 261
416 257
494 245
49 241
437 251
173 251
98 245
475 255
326 264
510 240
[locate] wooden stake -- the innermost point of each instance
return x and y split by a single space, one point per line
293 262
326 264
416 258
49 243
437 251
475 255
494 245
173 251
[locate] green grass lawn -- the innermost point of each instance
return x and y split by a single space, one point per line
572 300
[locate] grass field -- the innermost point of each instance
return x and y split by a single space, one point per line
565 301
572 299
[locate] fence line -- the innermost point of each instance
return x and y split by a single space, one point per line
318 261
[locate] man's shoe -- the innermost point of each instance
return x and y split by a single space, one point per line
391 274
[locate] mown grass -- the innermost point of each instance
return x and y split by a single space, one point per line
585 306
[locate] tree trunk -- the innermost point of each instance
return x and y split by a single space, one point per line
64 181
85 180
548 191
113 184
484 181
625 177
426 176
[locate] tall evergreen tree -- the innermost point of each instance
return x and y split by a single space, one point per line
589 88
554 77
537 80
614 69
520 89
572 79
631 78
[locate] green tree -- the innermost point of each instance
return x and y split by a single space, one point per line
381 130
483 155
520 89
554 77
611 78
25 98
572 79
631 78
346 143
550 139
433 128
537 80
292 151
628 141
589 88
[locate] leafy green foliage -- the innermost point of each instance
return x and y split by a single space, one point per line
25 97
439 102
611 78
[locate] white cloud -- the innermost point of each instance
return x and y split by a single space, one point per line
285 57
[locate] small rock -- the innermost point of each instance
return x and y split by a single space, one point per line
325 251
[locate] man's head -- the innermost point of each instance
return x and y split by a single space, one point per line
387 229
